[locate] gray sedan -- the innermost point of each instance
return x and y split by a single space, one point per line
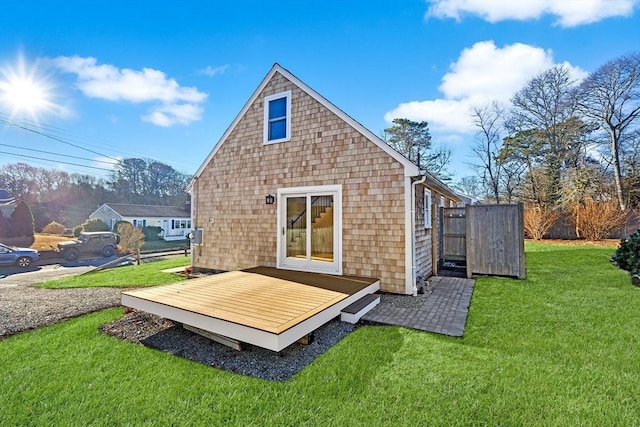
22 257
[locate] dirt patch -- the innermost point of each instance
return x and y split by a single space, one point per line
135 326
39 242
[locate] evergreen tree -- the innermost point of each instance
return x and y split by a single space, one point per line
412 140
22 220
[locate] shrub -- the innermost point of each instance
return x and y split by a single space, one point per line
537 221
627 256
595 220
151 233
131 238
22 220
54 228
117 224
94 225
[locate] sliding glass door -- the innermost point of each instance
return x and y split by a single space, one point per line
309 229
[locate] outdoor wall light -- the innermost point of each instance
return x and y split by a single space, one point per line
270 199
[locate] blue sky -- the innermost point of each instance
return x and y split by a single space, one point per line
163 80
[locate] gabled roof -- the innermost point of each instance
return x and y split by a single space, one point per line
410 168
147 211
433 182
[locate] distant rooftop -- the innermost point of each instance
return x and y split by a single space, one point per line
142 211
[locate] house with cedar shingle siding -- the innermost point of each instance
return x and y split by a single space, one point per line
174 221
295 183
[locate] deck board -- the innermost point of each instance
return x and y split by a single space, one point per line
264 306
251 299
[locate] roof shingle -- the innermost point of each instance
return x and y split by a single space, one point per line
143 211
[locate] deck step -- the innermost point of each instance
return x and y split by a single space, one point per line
353 312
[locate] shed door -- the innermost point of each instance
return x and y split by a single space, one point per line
309 229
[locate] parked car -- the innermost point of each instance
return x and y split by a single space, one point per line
21 257
90 243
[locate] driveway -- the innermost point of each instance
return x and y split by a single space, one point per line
47 270
24 307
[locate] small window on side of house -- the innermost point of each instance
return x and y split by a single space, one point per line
277 118
427 208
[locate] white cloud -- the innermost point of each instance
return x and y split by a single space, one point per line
488 72
569 13
169 115
212 71
481 74
177 104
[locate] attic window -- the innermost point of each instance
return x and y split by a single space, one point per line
277 117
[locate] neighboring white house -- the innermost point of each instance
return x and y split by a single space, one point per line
7 203
174 221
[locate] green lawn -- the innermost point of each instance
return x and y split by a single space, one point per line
158 245
145 274
560 348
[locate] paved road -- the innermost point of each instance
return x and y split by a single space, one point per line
13 276
54 269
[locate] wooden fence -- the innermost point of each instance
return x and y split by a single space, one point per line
454 235
488 238
565 228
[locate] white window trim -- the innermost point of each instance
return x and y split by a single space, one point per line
312 266
287 95
427 208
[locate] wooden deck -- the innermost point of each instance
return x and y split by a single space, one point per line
263 306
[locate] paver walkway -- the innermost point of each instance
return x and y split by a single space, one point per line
443 312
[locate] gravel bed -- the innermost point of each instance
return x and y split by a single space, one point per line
164 335
25 307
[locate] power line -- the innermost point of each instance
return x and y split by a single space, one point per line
53 130
47 165
56 161
16 125
56 154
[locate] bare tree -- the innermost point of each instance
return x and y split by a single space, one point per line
488 119
610 96
543 119
511 178
470 186
631 168
131 238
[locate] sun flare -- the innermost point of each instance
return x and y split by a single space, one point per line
26 91
24 94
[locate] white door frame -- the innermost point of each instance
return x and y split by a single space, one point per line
285 263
